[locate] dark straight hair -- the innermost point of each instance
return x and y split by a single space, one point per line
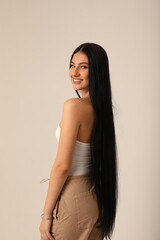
103 139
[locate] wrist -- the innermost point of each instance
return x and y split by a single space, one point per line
46 215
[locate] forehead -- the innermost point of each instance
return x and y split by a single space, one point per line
79 57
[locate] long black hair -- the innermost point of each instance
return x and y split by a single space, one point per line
103 139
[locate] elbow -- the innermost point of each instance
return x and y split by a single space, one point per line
62 169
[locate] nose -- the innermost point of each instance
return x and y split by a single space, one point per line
75 71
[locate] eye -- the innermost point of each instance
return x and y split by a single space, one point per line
84 66
71 65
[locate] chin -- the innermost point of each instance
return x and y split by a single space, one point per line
78 89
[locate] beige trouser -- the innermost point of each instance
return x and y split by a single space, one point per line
76 211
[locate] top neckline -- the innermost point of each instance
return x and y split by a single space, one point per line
78 140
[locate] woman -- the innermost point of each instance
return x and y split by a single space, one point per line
82 196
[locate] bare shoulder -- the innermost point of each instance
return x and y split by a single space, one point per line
71 105
71 111
79 106
77 102
74 103
71 101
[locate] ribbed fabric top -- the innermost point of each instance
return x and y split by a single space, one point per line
81 160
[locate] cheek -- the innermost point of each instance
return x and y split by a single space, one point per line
86 76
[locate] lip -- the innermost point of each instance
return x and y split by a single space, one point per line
74 82
77 78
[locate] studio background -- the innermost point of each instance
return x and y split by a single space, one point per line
37 40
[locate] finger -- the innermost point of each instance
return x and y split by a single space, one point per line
44 236
49 236
52 235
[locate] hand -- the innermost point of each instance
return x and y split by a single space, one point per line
44 228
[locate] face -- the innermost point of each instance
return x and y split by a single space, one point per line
79 71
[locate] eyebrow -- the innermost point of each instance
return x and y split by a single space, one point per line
80 62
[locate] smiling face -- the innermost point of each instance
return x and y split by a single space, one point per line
79 72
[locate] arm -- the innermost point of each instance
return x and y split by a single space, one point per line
69 129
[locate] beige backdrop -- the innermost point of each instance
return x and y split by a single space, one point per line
37 40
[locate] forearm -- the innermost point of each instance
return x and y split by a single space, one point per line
56 182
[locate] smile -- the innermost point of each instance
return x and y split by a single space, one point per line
76 81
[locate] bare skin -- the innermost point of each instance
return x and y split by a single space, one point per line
76 123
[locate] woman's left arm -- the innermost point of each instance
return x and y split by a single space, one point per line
62 164
58 177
